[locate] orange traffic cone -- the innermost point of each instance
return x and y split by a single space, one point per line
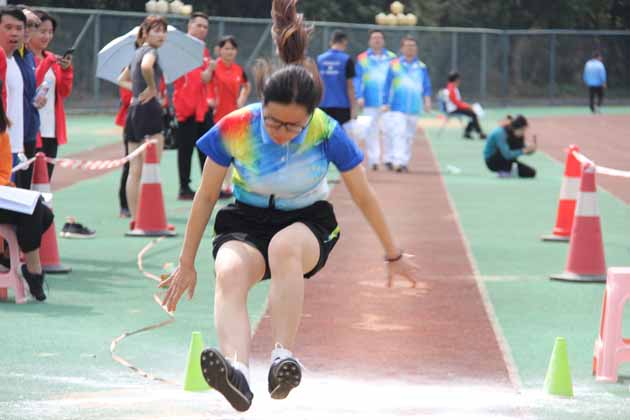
586 260
48 251
150 219
568 196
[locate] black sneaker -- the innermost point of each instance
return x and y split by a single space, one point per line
389 166
230 382
35 283
375 167
468 136
185 194
482 136
76 231
284 375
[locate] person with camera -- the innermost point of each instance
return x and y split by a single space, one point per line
53 75
505 144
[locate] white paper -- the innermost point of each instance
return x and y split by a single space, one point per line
18 199
478 109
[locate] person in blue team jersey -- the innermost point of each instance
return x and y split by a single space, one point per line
595 79
372 66
281 226
336 69
407 93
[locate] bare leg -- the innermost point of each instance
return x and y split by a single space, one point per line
238 267
292 252
133 180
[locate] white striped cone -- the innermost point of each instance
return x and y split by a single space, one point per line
586 261
150 219
568 197
49 250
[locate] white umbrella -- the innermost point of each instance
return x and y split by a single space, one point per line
179 54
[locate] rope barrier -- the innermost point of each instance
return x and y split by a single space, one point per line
601 169
151 327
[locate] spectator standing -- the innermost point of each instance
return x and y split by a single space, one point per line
31 101
12 28
595 79
229 87
371 72
144 118
455 105
407 91
337 71
54 75
191 99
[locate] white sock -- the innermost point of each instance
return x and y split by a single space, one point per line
280 352
241 368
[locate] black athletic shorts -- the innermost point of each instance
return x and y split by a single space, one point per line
256 226
342 115
143 120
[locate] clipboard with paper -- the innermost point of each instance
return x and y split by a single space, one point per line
19 199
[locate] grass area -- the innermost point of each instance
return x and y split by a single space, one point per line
502 220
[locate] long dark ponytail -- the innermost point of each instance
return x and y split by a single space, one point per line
297 81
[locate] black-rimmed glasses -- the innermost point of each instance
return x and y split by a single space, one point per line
276 124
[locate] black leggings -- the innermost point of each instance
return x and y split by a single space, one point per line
122 190
49 148
595 91
23 178
497 163
188 132
30 227
474 121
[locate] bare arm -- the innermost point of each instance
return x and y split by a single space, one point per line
353 101
124 80
242 98
206 75
146 66
184 278
364 197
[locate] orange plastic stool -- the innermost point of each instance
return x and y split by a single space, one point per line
611 349
11 279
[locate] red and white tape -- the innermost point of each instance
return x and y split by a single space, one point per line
87 165
601 169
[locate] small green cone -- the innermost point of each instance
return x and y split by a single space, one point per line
558 380
194 380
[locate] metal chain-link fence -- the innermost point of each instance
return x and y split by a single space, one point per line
497 67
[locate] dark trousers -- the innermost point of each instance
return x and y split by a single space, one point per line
49 148
473 124
497 163
30 227
23 178
122 190
188 132
594 91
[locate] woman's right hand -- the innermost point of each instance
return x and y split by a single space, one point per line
530 148
183 279
146 95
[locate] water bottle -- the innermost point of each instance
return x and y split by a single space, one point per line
41 91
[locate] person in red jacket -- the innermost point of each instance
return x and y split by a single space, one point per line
455 105
191 97
53 76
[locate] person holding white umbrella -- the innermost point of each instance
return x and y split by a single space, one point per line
144 116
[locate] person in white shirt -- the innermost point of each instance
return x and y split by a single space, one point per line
12 31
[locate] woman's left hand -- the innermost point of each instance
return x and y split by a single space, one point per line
404 267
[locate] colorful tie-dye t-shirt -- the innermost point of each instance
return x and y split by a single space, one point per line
294 173
371 74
